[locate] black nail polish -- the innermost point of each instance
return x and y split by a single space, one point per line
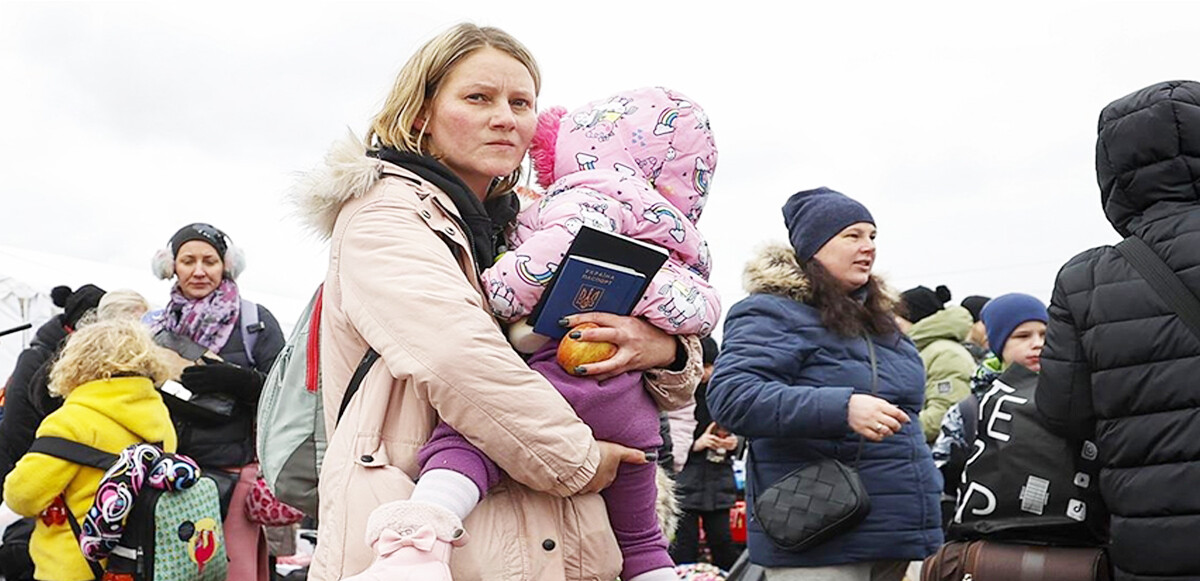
652 456
564 322
580 371
575 334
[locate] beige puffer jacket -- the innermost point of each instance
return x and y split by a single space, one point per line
394 284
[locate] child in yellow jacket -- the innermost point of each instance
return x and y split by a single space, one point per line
106 373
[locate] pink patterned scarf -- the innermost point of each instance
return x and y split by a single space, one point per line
208 321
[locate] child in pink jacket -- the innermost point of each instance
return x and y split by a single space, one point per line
637 163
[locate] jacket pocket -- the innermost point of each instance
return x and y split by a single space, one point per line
589 548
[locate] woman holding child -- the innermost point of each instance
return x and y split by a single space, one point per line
413 216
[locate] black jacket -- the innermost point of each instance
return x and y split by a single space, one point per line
703 485
26 399
231 443
1120 368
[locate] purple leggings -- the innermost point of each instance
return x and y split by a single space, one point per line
618 410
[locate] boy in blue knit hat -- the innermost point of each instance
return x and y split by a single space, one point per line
1016 331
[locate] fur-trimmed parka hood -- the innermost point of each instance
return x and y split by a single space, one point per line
776 271
347 173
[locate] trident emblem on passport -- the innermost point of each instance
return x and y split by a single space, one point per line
587 297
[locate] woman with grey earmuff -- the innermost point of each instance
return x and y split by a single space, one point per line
232 343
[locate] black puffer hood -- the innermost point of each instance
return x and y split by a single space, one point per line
1148 151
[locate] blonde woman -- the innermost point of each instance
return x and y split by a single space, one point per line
122 303
106 375
413 216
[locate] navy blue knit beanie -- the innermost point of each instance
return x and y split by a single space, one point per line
815 216
1006 312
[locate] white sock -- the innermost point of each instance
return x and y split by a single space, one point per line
447 489
664 574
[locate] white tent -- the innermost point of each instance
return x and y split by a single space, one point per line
26 277
20 303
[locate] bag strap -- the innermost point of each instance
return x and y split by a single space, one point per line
97 570
360 373
72 451
874 391
312 364
1163 280
250 329
969 411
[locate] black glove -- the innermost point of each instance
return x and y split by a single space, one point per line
240 382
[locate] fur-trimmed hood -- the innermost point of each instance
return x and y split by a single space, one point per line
347 173
776 271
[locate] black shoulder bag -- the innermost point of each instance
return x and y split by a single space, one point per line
816 502
1163 280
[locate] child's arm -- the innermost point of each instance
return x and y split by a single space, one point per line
680 302
515 283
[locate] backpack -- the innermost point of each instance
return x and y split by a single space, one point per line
291 417
1022 482
172 531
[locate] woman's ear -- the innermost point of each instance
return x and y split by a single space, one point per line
421 120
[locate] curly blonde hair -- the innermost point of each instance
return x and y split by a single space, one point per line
106 349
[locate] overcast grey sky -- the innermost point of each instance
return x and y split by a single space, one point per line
967 128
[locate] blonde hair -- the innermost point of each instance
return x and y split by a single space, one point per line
106 349
421 78
122 303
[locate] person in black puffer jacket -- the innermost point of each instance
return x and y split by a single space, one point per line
1119 367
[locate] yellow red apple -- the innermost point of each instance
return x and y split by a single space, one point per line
573 353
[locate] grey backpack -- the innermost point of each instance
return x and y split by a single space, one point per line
291 418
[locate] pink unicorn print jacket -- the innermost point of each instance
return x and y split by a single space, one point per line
638 163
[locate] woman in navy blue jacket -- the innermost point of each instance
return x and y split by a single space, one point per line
795 376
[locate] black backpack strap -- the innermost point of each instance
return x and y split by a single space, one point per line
1163 280
97 570
968 409
360 373
73 452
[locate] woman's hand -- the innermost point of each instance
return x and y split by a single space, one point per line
874 418
611 457
640 345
